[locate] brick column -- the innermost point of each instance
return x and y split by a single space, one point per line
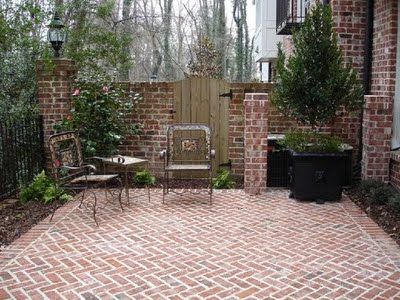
255 143
55 85
377 133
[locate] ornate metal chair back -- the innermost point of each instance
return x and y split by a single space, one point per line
188 144
65 151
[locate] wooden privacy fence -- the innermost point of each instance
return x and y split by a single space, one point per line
206 101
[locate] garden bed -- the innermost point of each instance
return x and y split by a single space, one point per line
17 218
381 214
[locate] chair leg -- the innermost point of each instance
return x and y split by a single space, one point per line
94 209
148 192
166 185
52 214
163 193
211 187
83 197
120 194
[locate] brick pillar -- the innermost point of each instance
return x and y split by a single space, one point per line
377 133
54 90
255 143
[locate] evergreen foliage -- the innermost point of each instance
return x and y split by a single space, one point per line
21 33
314 83
205 63
95 39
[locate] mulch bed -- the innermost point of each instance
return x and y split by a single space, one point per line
17 218
381 214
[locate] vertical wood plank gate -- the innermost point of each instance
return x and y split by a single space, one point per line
199 100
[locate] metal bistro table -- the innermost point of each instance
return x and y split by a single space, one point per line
125 162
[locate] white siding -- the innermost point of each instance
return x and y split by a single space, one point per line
266 39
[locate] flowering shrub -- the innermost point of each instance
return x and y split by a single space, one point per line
99 114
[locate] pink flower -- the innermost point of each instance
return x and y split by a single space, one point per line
105 89
57 163
76 92
69 117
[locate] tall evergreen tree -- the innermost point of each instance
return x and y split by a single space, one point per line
314 83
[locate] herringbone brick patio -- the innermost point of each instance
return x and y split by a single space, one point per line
240 247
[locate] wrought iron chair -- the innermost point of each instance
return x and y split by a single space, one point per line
71 173
188 152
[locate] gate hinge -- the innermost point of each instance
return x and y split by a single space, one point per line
228 164
229 94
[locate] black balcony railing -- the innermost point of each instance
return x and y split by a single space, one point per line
289 15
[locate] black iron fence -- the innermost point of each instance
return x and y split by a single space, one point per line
289 15
21 152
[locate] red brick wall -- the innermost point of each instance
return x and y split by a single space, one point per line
54 90
236 121
377 125
255 143
350 22
155 111
383 77
349 19
395 169
378 113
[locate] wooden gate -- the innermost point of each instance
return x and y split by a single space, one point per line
202 100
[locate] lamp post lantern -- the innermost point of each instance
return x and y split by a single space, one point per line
57 35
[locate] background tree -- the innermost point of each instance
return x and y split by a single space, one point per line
96 37
243 49
205 63
22 26
128 39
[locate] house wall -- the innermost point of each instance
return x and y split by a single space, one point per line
378 113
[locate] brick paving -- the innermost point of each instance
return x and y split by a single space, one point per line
241 247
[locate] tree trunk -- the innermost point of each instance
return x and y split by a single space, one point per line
126 7
238 18
169 68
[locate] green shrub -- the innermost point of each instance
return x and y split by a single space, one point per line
375 192
367 186
394 204
311 142
43 189
224 180
380 195
143 178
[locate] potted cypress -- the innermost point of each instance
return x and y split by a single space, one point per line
312 86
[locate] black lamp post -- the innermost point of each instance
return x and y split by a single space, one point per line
57 35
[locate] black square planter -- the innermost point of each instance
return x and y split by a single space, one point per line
318 176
